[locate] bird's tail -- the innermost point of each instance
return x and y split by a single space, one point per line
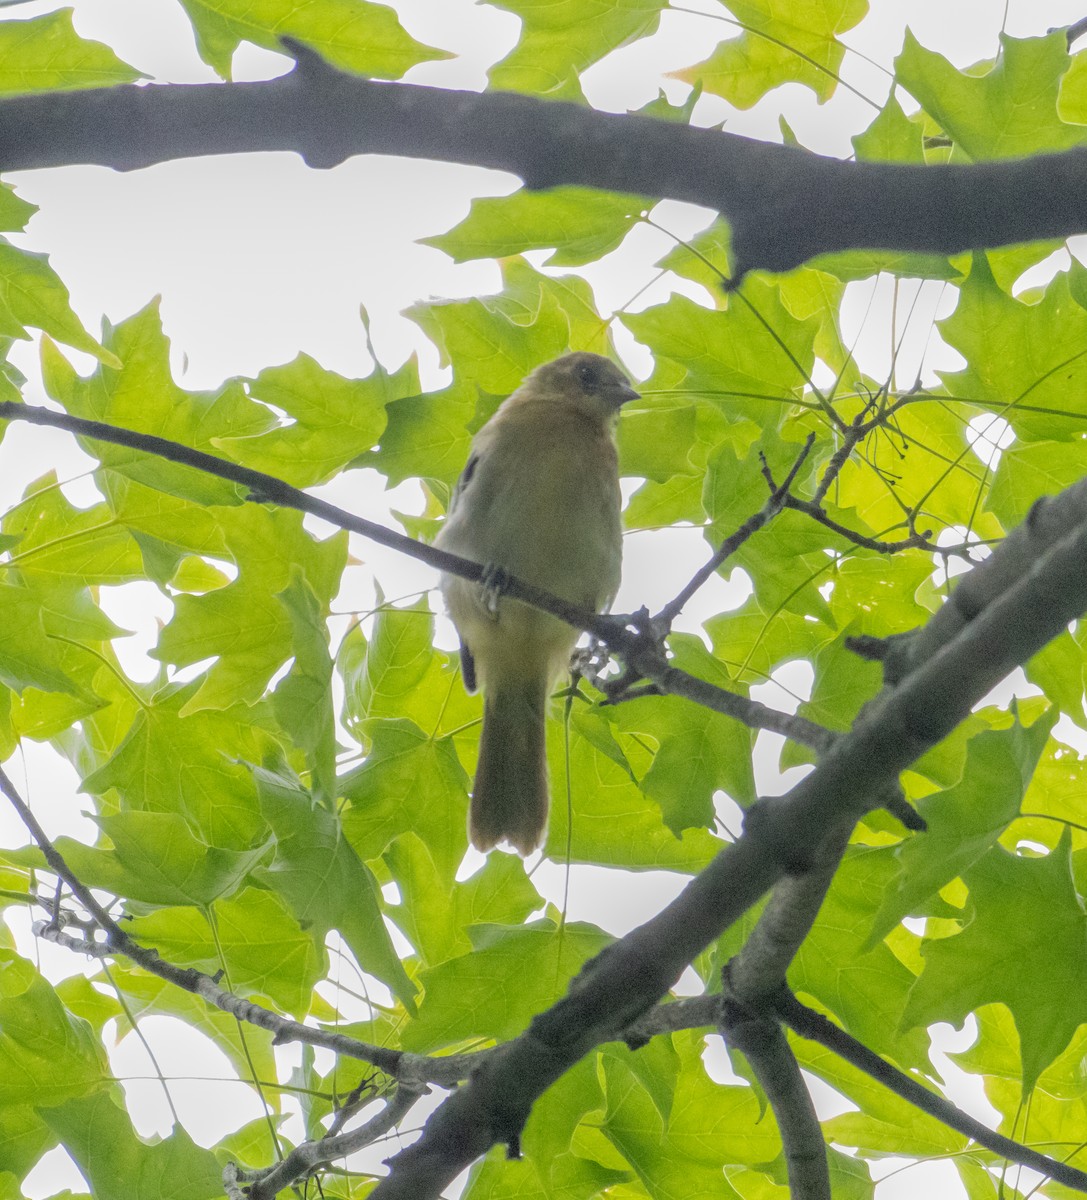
509 800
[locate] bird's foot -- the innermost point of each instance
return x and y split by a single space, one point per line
493 582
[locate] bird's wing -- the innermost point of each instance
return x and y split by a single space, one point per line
464 480
468 668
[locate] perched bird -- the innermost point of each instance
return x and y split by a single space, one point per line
538 500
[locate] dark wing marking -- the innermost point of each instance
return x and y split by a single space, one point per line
468 668
464 480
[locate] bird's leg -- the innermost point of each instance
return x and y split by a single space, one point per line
493 582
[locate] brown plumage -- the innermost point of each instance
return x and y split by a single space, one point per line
538 499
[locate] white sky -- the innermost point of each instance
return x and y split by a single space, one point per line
258 257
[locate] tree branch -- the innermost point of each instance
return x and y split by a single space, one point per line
411 1070
305 1158
634 973
639 644
774 505
814 1026
760 1039
784 204
414 1071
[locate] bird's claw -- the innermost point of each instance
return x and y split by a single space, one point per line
493 582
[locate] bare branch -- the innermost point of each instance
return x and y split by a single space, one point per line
621 634
758 971
815 510
1076 31
304 1159
814 1026
760 1039
784 204
734 541
615 988
230 1183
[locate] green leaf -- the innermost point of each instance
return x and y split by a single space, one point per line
710 1125
698 751
1028 470
268 546
14 210
24 1138
252 937
437 916
46 1055
334 419
579 224
61 549
141 395
729 356
549 1168
1072 102
964 821
426 436
409 782
172 761
302 701
1009 112
863 984
779 43
1024 923
156 859
322 880
353 35
28 656
45 54
31 293
1024 359
561 38
655 437
494 991
502 338
614 821
118 1164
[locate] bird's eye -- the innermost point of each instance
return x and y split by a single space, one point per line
588 375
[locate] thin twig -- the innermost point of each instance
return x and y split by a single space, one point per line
916 541
858 429
398 1064
732 543
307 1157
813 509
359 1096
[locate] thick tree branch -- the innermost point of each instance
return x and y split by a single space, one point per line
614 989
785 205
760 1039
814 1026
414 1071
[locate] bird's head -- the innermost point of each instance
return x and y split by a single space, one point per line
590 382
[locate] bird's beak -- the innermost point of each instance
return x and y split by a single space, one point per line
626 394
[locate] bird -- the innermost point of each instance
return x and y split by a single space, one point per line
538 500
